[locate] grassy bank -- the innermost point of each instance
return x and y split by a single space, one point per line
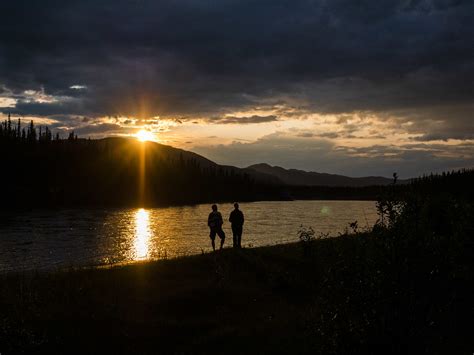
350 294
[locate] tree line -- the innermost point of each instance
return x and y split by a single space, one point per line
11 131
41 171
75 172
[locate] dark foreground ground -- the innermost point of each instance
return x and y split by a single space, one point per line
343 295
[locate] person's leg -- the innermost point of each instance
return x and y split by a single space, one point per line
235 242
222 236
212 235
239 237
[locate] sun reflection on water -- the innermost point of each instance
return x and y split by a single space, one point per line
142 234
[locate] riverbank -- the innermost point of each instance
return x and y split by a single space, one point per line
339 295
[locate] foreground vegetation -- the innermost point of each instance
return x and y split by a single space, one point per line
403 287
352 294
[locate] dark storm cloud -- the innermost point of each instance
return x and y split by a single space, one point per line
198 58
48 109
91 130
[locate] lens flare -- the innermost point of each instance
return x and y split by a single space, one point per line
325 210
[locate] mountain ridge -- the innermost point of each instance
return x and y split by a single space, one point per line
296 177
266 173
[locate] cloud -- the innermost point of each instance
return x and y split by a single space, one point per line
243 119
321 135
322 155
407 62
99 129
136 56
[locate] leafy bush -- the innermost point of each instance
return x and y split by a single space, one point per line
306 234
306 237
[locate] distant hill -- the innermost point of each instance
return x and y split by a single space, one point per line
161 151
120 172
38 171
304 178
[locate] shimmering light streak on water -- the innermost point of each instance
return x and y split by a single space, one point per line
142 234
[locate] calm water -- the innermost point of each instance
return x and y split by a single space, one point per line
57 239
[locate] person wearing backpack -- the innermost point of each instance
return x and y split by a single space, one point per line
215 222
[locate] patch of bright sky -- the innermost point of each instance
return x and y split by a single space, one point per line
357 130
39 97
43 121
344 130
189 134
6 102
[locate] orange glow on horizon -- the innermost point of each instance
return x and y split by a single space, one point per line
144 136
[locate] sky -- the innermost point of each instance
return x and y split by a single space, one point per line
340 86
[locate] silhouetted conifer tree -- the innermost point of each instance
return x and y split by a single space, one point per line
10 131
18 129
31 135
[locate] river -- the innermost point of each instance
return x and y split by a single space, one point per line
51 240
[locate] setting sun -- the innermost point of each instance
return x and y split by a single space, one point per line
144 136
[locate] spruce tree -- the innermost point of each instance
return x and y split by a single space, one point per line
18 129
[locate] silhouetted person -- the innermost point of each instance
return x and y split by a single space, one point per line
237 222
214 221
